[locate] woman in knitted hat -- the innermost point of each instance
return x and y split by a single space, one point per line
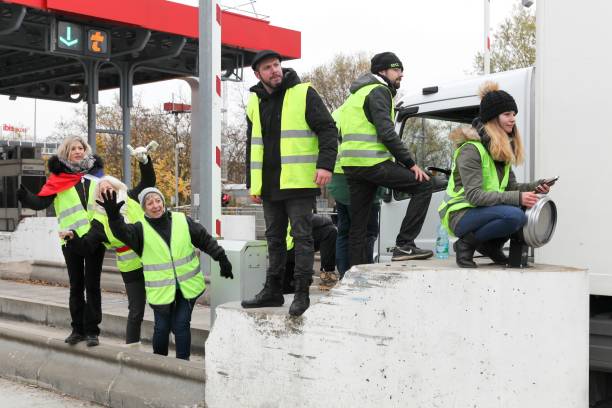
166 242
99 234
483 200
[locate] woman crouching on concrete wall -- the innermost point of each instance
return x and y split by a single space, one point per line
128 262
166 242
70 187
483 200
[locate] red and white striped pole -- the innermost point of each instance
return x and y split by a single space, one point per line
209 97
487 41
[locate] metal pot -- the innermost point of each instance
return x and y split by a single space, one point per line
541 222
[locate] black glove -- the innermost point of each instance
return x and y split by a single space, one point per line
22 193
110 204
226 267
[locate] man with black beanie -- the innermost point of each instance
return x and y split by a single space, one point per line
369 145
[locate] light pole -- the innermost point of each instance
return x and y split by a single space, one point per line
177 147
487 42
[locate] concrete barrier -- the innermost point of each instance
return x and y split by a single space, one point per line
107 375
412 334
34 238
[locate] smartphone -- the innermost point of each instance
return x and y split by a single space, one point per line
550 181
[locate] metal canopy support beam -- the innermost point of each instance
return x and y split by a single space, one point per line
126 74
17 13
196 142
91 76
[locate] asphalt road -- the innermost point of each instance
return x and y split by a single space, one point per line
17 395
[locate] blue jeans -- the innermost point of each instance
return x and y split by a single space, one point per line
342 239
488 223
175 317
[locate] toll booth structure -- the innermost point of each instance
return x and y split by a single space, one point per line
66 50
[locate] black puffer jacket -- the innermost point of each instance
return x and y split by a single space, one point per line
270 110
377 108
55 166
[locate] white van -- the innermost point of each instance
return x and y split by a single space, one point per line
424 122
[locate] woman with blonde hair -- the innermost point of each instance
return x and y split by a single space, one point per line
128 262
70 188
483 200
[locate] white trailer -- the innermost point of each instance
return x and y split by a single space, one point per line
564 106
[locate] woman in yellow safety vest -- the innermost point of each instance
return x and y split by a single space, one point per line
128 262
166 242
70 188
483 200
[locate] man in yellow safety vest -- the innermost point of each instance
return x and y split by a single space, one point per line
291 151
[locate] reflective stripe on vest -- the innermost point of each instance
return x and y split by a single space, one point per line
455 200
71 215
127 259
299 145
165 265
360 145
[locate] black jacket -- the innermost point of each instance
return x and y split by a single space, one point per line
88 243
132 234
377 108
55 166
270 110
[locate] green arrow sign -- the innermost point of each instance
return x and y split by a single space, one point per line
69 36
69 41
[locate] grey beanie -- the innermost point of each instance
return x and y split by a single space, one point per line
144 193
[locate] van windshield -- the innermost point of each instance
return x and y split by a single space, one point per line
426 136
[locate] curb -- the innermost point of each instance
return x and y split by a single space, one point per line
59 316
102 374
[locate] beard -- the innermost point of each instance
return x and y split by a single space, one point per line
271 85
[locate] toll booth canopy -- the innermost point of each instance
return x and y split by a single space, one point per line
67 50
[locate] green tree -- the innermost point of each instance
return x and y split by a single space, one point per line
332 80
514 43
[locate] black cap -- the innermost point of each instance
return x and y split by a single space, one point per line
262 55
385 60
495 103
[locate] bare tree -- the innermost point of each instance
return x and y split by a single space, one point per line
332 80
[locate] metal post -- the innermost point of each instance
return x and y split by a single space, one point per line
487 42
210 105
176 176
195 147
91 125
125 98
34 122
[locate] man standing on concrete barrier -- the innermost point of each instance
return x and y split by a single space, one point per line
369 144
291 150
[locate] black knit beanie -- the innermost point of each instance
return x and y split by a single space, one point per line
494 103
385 60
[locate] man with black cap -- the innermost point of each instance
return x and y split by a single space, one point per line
291 151
369 145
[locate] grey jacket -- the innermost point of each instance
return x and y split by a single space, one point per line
468 174
377 106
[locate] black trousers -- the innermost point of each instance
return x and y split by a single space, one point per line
135 290
325 242
277 214
363 182
85 300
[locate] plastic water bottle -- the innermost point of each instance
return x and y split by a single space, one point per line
442 243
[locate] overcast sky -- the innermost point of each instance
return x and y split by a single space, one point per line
435 39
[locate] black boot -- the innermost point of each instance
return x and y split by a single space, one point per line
301 301
464 251
494 249
270 296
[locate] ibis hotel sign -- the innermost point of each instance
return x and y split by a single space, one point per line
80 40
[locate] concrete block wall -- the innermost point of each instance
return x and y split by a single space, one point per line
411 334
36 238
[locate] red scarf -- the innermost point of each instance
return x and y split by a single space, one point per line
56 183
